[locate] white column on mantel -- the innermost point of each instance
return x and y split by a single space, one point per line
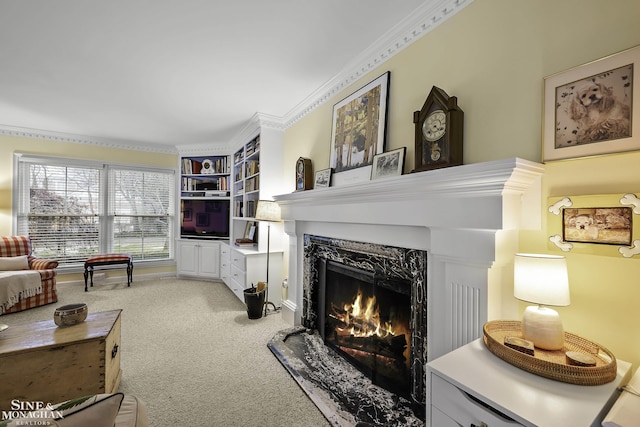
467 218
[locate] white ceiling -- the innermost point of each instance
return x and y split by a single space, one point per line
170 73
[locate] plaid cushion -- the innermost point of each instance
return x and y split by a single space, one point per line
106 258
42 264
15 246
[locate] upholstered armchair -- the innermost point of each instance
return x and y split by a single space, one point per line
19 290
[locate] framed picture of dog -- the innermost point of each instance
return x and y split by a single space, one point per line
589 110
607 224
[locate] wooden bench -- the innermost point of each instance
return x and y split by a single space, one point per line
108 259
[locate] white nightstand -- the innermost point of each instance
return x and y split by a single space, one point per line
472 387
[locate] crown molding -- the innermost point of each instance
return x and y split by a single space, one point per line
424 20
46 135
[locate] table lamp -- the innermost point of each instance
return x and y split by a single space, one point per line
268 211
542 280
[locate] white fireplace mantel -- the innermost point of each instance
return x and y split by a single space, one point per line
466 217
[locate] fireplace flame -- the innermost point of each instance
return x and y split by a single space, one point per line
363 319
358 326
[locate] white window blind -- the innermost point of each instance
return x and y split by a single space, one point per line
141 208
73 209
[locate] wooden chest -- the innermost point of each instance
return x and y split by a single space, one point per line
40 361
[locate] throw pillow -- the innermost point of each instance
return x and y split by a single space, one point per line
13 263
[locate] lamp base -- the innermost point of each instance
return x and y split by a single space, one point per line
543 327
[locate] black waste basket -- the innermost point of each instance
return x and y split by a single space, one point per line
255 302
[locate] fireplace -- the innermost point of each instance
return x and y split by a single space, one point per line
342 273
462 224
352 289
367 320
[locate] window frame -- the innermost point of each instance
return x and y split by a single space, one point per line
106 217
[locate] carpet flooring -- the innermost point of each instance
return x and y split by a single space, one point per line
190 352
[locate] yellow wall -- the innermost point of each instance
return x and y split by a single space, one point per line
11 145
493 55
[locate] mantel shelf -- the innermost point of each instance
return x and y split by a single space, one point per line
426 192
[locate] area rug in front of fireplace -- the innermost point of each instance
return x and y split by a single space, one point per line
343 394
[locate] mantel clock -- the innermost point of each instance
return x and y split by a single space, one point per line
438 132
304 174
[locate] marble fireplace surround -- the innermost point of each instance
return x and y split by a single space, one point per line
466 217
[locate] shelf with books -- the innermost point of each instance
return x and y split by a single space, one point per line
246 190
204 176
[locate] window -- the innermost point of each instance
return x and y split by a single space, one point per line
74 209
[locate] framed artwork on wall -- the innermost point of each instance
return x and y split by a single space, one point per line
589 110
607 224
358 131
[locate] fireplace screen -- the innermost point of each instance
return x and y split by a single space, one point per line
366 318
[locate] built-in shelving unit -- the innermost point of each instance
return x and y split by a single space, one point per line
246 189
205 214
256 173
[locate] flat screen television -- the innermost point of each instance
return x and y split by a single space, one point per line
204 219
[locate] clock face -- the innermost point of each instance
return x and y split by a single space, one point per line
300 166
434 126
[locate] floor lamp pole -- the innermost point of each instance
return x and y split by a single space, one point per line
267 302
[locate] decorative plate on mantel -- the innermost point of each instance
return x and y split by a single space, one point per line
552 363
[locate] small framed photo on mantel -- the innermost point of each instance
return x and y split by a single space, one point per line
388 164
323 178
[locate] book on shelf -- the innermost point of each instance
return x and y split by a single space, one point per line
253 146
250 209
238 157
242 242
252 167
213 184
194 167
252 184
237 208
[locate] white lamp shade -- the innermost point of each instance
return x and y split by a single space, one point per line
541 279
268 210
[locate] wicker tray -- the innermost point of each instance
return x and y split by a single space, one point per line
552 364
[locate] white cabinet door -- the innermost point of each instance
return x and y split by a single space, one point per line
198 258
187 258
209 260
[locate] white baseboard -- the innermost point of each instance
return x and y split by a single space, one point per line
119 279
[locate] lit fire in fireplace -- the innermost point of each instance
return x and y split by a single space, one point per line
358 326
363 320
